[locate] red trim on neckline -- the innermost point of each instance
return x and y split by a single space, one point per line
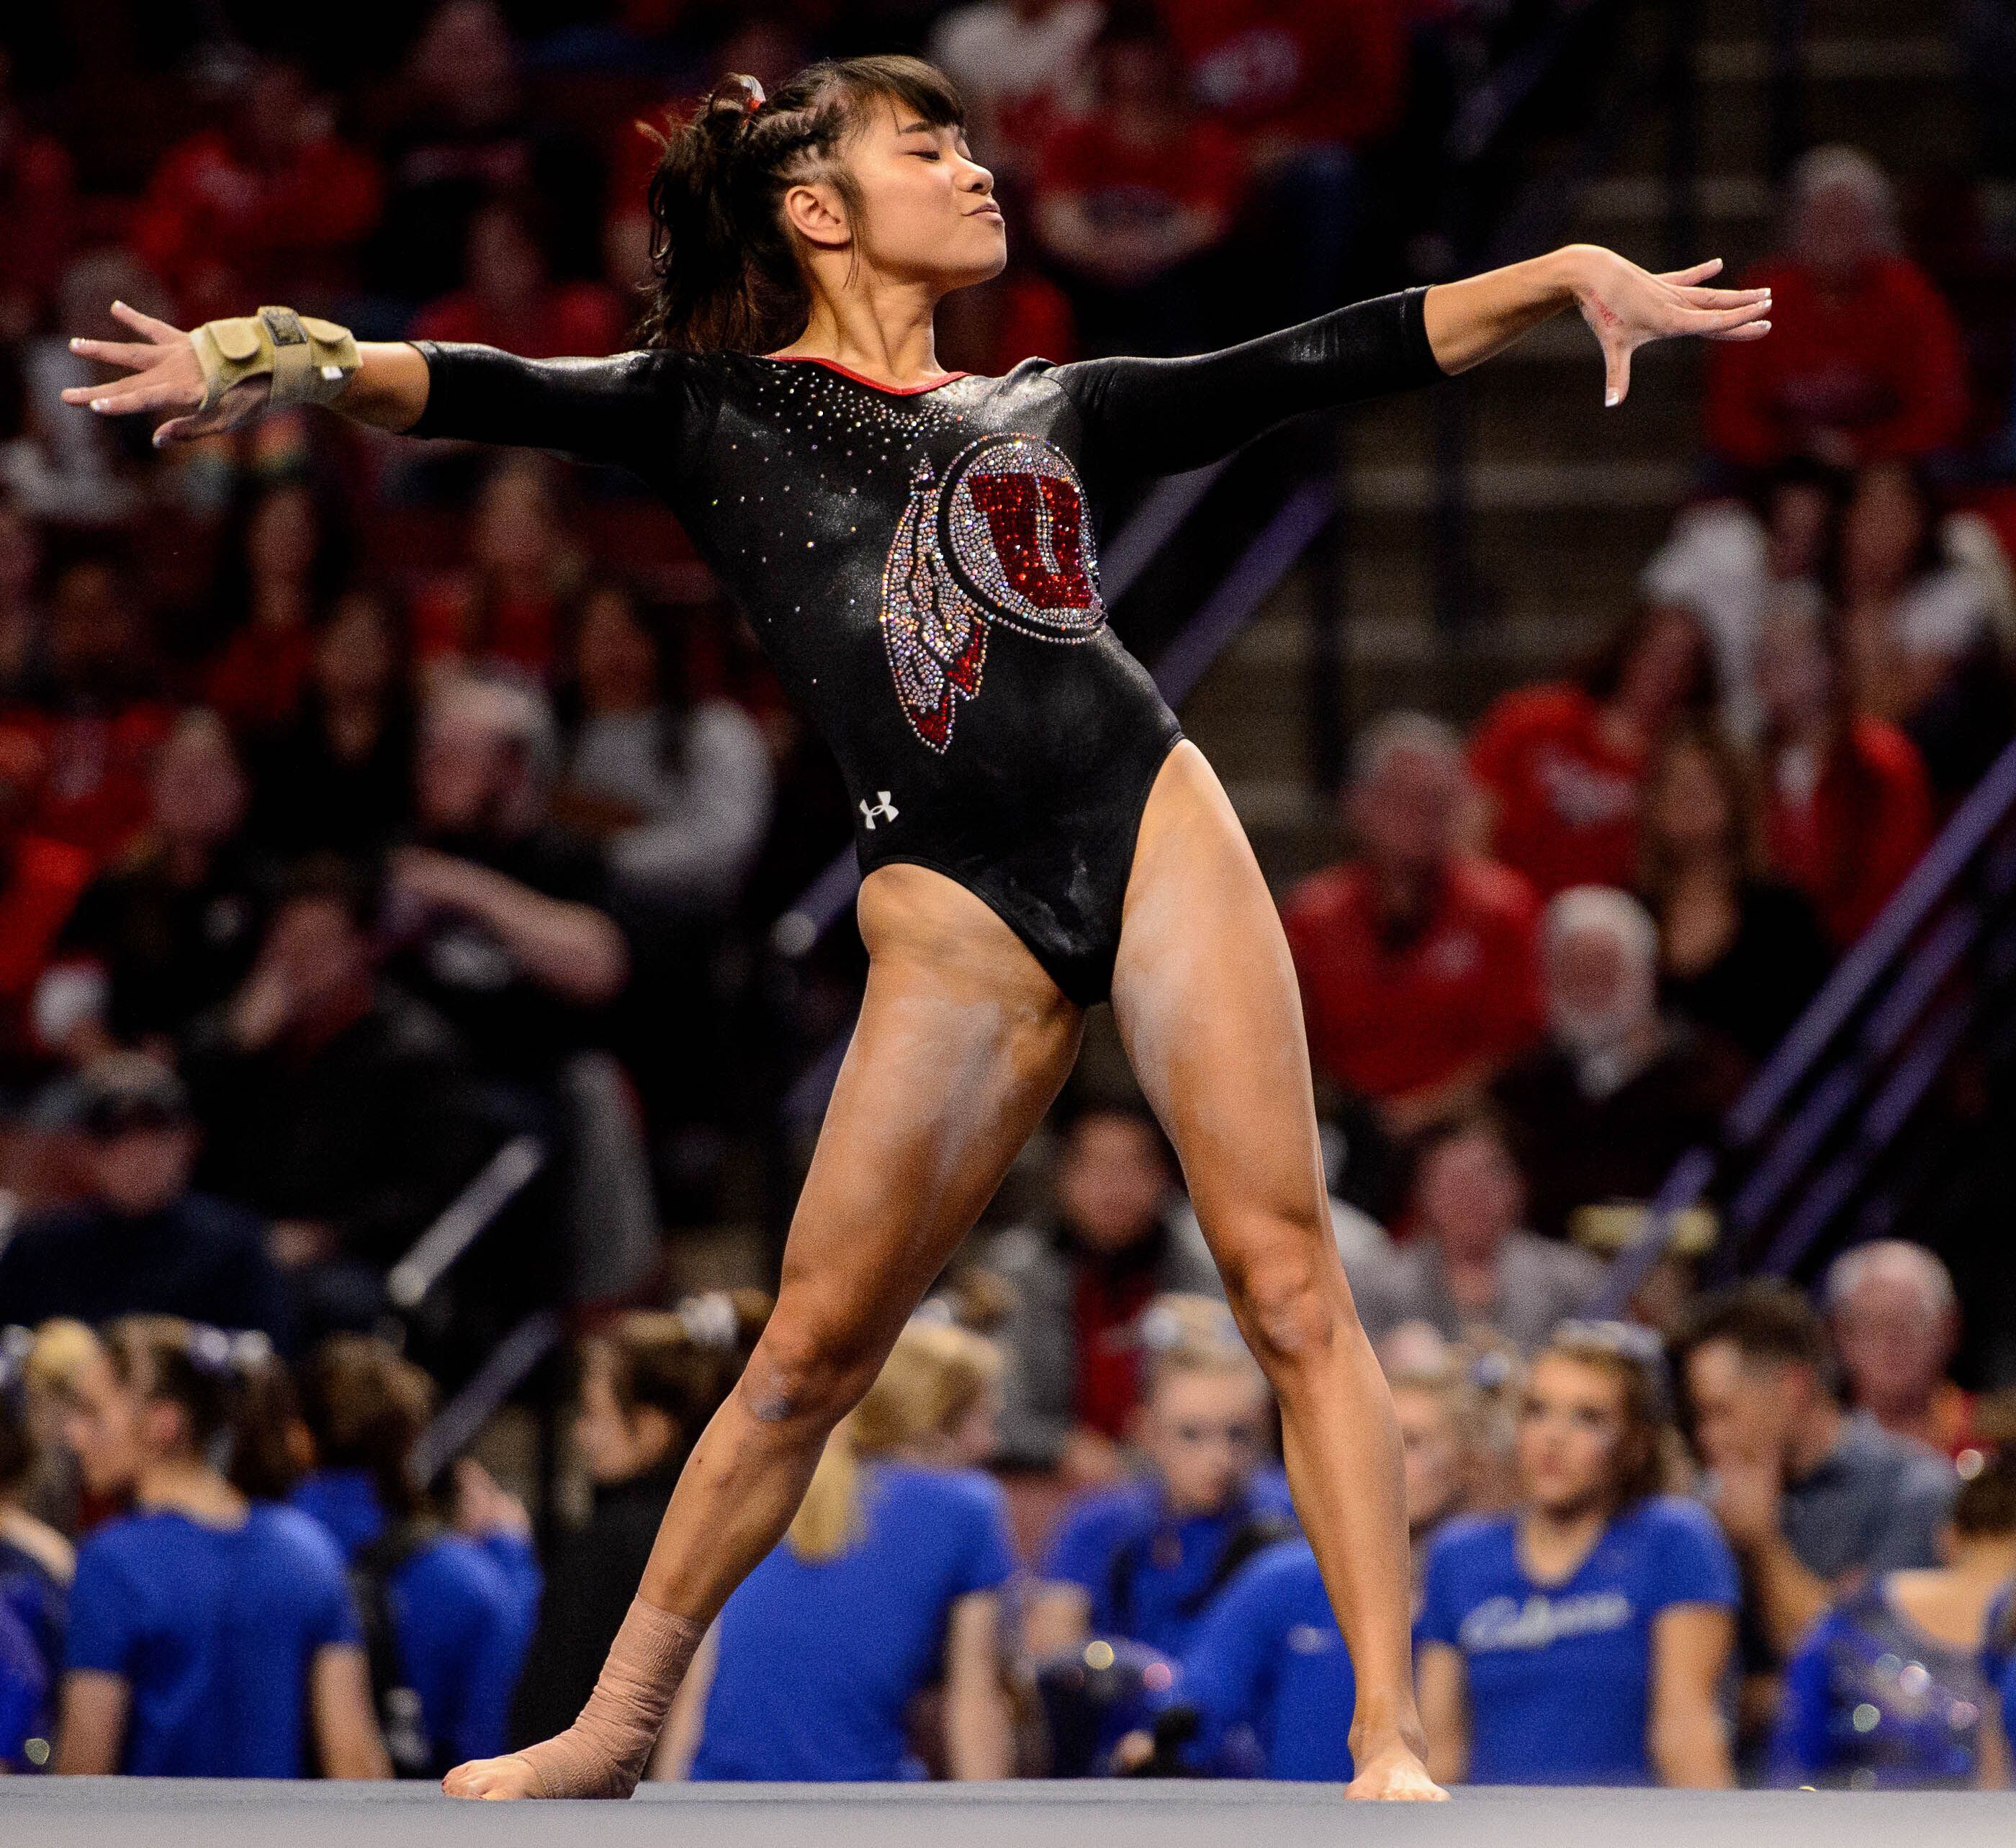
860 377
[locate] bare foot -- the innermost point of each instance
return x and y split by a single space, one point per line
501 1778
1395 1775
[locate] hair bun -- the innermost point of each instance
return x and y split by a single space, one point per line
737 93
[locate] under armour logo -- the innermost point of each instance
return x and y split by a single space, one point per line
884 810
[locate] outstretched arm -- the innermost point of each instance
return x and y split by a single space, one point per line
614 410
1159 416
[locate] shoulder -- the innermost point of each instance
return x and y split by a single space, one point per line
1493 891
1469 1540
1531 712
1324 896
116 1545
298 1539
453 1569
219 1226
1663 1519
971 1493
1283 1571
1105 1514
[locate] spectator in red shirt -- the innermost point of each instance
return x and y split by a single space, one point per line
1417 963
38 212
271 206
1132 196
87 741
286 563
1020 65
1306 84
503 611
1865 360
1849 808
1563 764
511 300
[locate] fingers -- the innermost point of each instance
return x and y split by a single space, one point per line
115 353
1723 298
1751 330
124 397
1700 272
1616 373
159 332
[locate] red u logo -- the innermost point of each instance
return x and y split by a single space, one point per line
1034 521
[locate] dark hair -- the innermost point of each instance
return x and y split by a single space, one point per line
366 1405
17 1437
329 879
727 269
1604 674
683 1361
1763 1320
1735 772
232 1391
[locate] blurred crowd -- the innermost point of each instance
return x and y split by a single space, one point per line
383 834
1777 1546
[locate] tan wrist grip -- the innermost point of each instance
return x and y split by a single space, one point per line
309 360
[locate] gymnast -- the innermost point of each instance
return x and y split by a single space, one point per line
915 549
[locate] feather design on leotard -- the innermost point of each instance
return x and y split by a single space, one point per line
1002 537
934 632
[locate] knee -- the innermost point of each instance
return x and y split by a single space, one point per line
808 1372
1286 1291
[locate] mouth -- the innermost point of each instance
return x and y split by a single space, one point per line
989 210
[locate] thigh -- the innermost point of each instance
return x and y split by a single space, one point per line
1205 999
962 1044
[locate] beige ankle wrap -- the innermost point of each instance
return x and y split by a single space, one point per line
604 1753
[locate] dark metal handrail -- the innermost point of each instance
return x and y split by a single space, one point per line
1891 982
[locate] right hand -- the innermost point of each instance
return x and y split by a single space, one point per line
163 374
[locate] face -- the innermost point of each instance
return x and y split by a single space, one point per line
1204 1433
103 1425
463 772
504 263
1111 1182
199 793
514 529
325 957
1883 528
1432 1453
1469 1195
1838 230
928 208
1661 670
1894 1346
1800 512
1743 1411
141 1170
1597 995
616 660
1571 1428
353 657
615 1446
1795 677
91 623
280 542
1687 806
1407 811
976 1436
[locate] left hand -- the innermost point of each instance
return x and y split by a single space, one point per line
1393 1773
484 1506
1746 1499
1626 307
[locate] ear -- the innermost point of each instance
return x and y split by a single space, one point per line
815 213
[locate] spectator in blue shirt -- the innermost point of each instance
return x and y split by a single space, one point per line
1581 1639
36 1566
211 1633
1142 1562
1890 1689
1815 1501
446 1615
890 1580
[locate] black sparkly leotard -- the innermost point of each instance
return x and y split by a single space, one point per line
920 567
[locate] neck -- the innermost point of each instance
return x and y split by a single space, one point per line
191 1488
1819 1434
878 328
1560 1533
1989 1557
